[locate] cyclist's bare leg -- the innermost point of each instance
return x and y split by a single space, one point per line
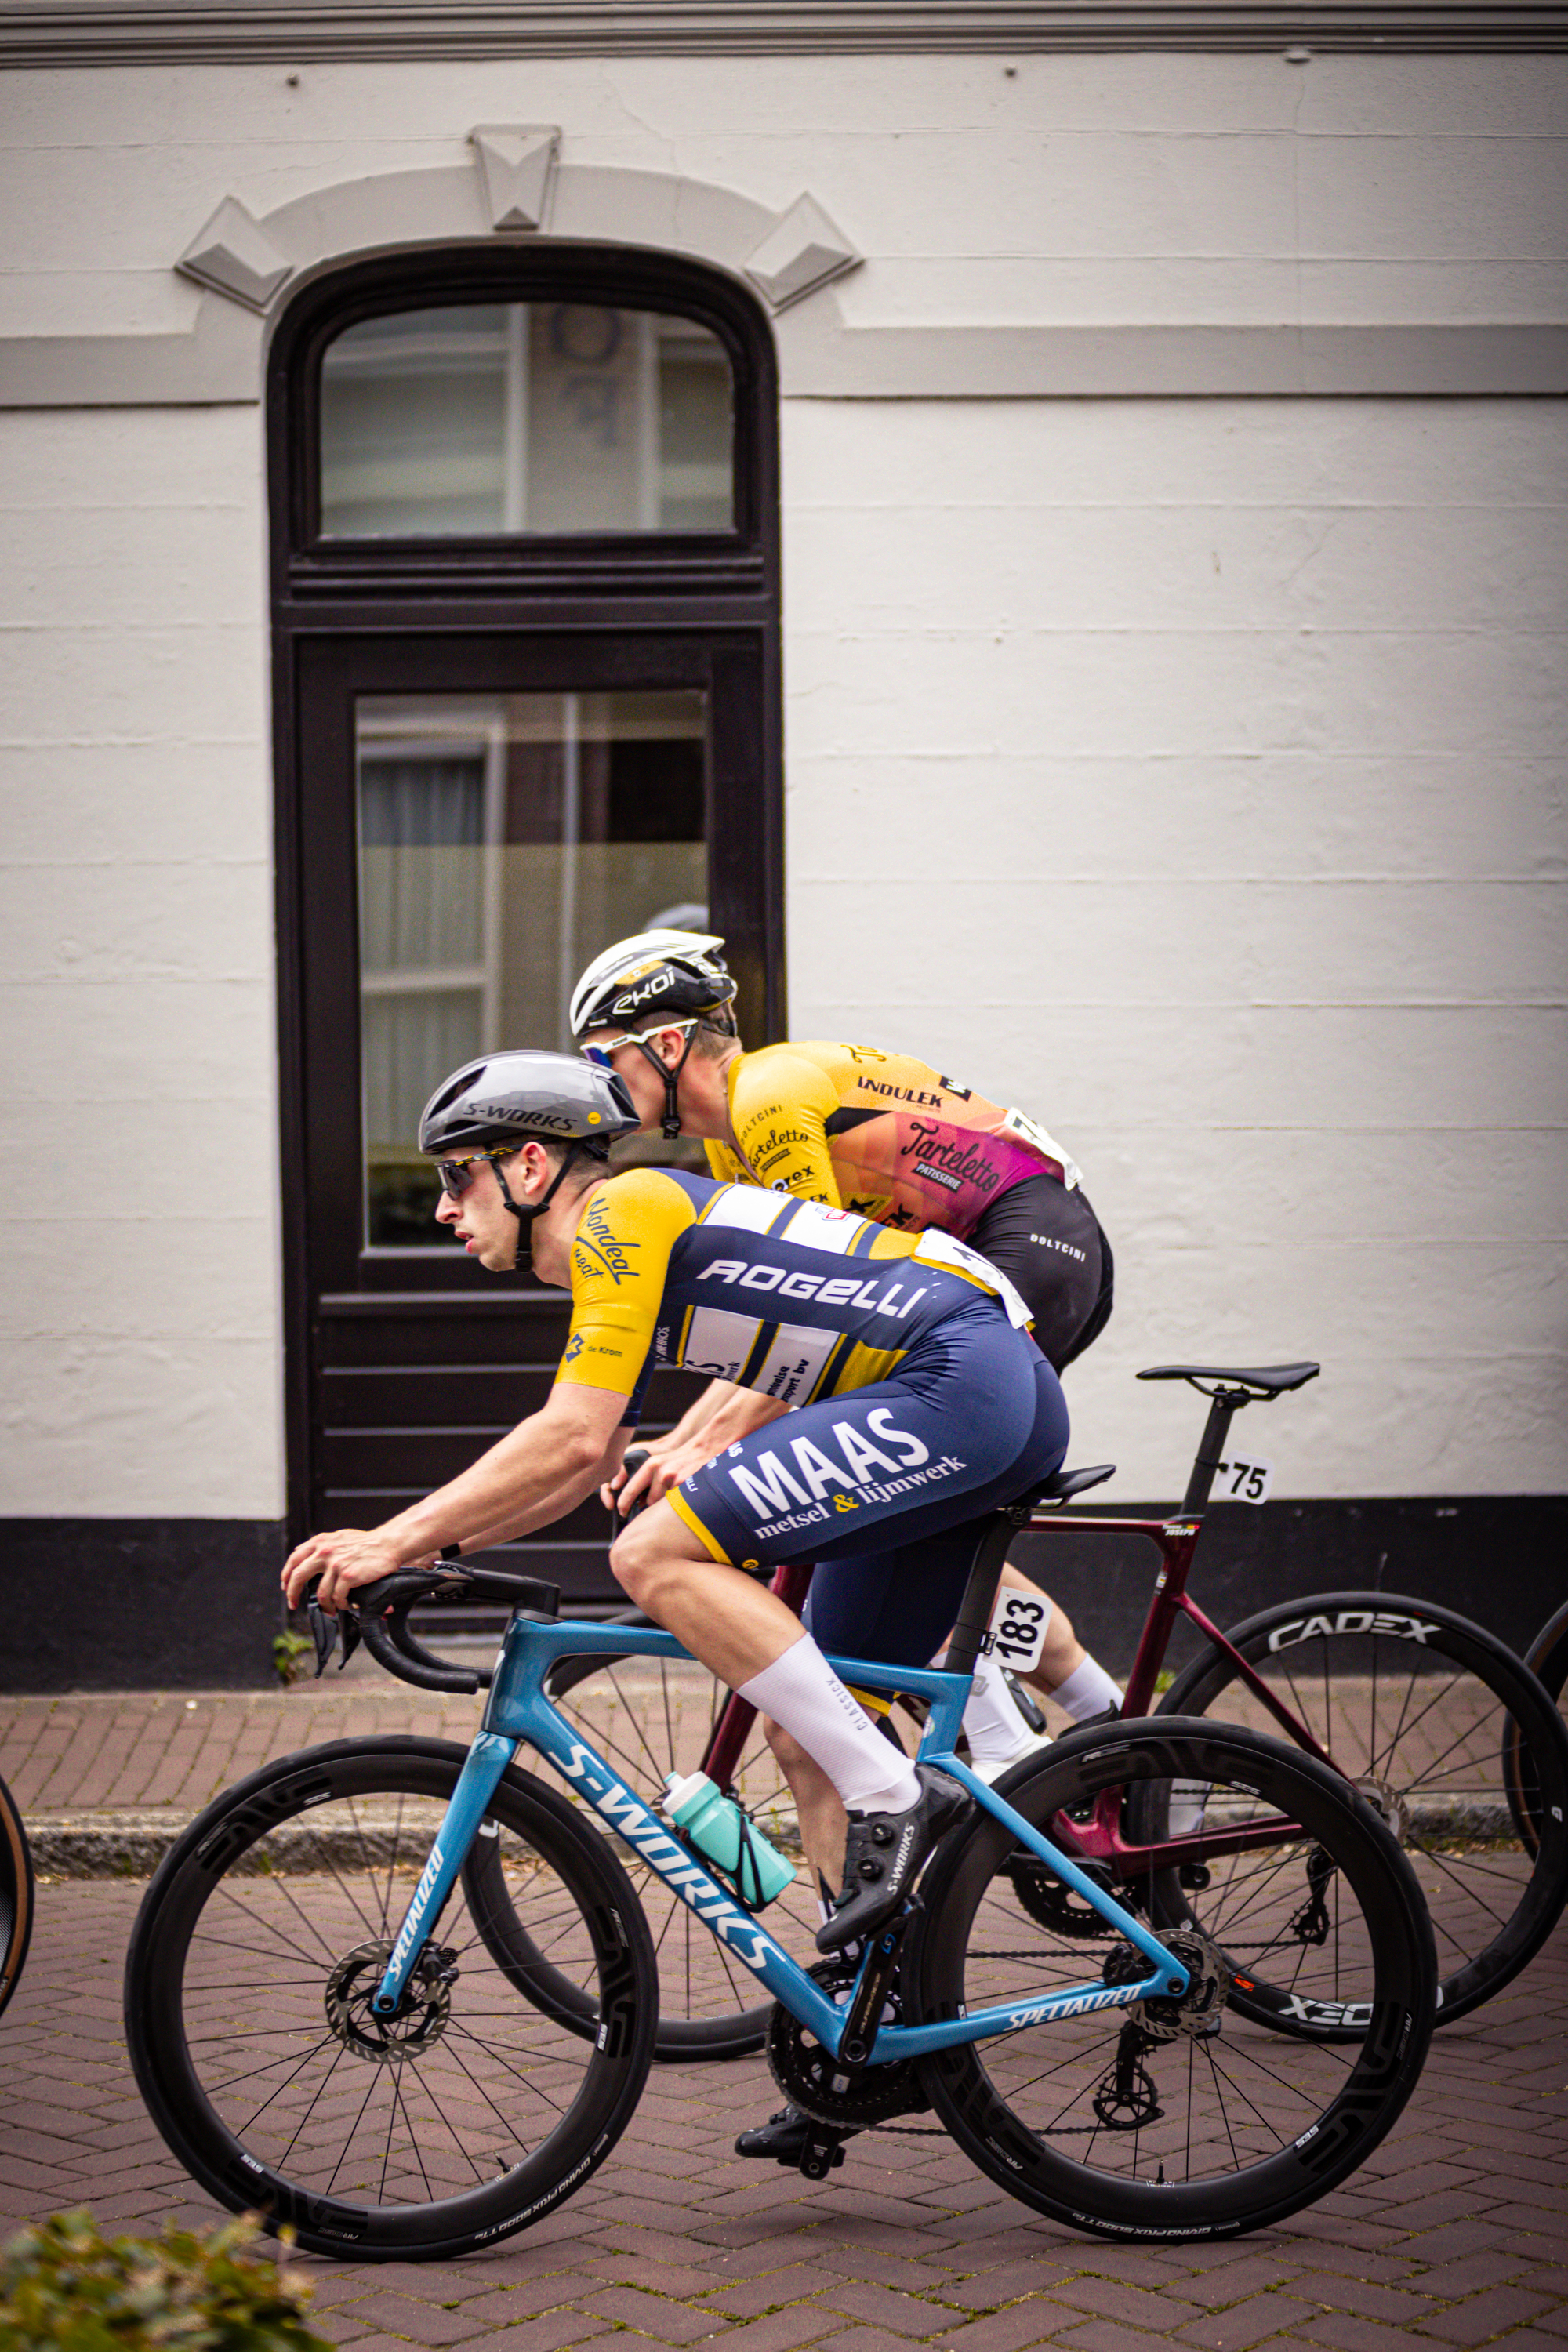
749 1638
818 1807
733 1625
1064 1670
1061 1651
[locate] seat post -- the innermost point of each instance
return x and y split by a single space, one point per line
974 1620
1210 1456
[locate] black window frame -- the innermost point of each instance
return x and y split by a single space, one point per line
667 563
711 599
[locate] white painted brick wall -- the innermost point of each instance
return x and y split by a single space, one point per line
1149 189
139 1319
1191 772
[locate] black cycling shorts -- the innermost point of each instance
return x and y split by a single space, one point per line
1049 1244
973 1417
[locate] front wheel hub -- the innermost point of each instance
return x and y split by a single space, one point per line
421 2016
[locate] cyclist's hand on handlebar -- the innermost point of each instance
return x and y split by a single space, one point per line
653 1479
628 1490
343 1559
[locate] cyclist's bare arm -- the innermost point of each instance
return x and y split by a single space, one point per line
558 1452
557 1506
696 1417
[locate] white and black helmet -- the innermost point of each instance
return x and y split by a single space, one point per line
514 1099
673 974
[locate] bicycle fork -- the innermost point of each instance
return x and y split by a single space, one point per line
465 1808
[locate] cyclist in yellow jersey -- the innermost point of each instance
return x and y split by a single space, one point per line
919 1403
883 1135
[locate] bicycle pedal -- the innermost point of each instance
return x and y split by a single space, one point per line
822 2154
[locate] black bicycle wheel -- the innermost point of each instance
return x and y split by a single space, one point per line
15 1894
650 1717
1412 1703
248 1984
1181 2118
1547 1659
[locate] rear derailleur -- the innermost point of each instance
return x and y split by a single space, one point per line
1127 2097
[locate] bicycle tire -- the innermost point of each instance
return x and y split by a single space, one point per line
1246 2139
648 1717
1348 1664
18 1894
264 1933
1547 1658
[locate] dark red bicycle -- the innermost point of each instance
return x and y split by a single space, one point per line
1436 1722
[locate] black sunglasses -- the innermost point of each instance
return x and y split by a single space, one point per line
456 1175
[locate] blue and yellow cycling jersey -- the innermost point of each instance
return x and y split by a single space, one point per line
786 1296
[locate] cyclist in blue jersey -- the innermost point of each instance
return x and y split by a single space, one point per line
917 1403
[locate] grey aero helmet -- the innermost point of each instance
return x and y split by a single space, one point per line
522 1096
673 975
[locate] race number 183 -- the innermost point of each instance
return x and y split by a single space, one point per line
1018 1625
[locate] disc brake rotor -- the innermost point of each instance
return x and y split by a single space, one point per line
1196 2013
420 2020
1388 1804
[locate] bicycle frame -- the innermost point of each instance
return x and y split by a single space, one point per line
519 1708
1175 1540
1101 1839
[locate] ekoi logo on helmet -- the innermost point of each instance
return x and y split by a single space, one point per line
635 998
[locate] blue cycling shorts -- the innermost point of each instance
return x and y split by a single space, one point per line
972 1417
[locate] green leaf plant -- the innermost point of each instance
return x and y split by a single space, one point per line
65 2287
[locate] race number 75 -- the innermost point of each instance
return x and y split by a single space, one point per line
1245 1478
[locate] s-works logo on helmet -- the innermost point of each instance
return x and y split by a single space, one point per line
508 1114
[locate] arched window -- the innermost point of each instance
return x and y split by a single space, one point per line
525 625
488 418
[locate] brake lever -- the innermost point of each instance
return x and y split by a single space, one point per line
323 1633
635 1457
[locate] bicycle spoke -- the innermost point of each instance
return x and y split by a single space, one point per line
343 2154
400 2114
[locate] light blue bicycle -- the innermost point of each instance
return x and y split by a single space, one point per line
403 1998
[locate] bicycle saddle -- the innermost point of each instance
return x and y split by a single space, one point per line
1271 1382
1064 1484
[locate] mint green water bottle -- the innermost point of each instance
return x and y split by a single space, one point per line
717 1827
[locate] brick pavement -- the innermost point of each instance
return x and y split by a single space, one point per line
1453 2235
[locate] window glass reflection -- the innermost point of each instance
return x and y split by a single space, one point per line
491 418
504 840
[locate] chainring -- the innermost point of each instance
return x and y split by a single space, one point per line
825 2088
1052 1903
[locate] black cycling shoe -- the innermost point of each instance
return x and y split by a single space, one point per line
785 2136
884 1853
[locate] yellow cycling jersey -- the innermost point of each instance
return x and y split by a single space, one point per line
790 1297
880 1134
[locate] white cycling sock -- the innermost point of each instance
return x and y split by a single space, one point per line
993 1724
802 1692
1088 1690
